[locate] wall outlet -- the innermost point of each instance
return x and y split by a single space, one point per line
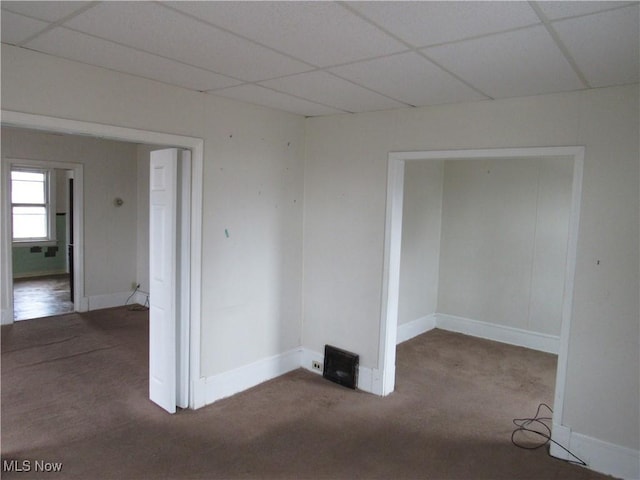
135 285
316 365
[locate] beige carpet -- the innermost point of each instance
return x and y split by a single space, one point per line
74 390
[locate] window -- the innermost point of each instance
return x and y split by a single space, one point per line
31 206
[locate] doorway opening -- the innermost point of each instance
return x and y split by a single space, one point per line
392 256
44 270
190 354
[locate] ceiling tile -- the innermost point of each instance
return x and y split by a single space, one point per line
16 28
327 89
556 10
48 11
409 78
604 45
269 98
162 31
321 33
520 63
83 48
430 23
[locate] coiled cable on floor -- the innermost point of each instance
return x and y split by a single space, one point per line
536 426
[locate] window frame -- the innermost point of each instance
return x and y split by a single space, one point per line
49 206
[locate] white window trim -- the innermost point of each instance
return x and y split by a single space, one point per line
50 194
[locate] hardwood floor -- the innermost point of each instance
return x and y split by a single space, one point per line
38 297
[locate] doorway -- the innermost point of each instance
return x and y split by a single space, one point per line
51 124
43 272
393 241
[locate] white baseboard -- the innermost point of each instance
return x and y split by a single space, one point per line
110 300
366 375
141 298
499 333
6 317
601 456
409 330
235 381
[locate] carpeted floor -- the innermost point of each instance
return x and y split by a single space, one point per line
74 391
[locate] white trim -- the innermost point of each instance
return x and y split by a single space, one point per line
308 357
409 330
499 333
42 273
184 272
239 379
385 380
54 124
109 300
366 376
6 316
561 435
393 240
140 298
601 456
6 266
569 280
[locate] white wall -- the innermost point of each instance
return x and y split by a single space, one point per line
345 194
421 228
253 167
109 172
505 230
253 176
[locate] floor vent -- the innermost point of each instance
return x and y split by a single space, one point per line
341 366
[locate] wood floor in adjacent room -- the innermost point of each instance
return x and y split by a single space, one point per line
74 391
37 297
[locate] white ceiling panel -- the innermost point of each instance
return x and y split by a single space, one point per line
17 28
321 33
319 58
556 10
604 45
263 96
410 78
520 63
47 11
329 90
430 23
162 31
83 48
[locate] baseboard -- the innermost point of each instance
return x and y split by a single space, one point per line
110 300
42 273
601 456
235 381
6 317
141 298
366 376
499 333
409 330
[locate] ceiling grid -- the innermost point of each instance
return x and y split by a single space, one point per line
322 58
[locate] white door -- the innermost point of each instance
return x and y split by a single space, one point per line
163 278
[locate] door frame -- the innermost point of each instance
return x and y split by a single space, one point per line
113 132
392 250
78 231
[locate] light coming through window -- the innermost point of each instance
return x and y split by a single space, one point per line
30 205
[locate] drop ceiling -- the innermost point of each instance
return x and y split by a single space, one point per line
321 58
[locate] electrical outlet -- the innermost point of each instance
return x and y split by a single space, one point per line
135 285
316 365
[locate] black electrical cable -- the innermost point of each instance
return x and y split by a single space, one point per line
536 426
137 307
